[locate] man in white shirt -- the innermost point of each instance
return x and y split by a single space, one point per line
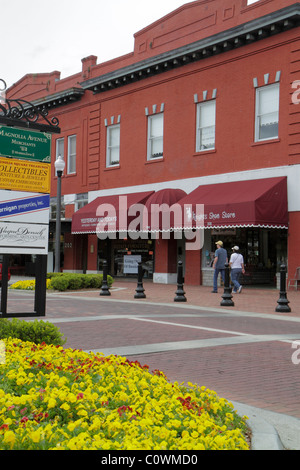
237 267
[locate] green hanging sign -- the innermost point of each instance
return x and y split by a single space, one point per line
25 145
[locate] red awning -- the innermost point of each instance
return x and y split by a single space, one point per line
105 214
160 217
251 203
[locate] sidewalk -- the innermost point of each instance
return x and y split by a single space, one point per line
251 299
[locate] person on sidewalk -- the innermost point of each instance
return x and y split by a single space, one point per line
237 267
221 258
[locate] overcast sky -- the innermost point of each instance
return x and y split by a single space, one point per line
47 35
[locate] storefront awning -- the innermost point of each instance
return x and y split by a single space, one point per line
107 213
251 203
158 205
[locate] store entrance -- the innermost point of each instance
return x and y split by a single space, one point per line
264 251
123 257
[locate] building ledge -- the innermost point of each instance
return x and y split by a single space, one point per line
247 33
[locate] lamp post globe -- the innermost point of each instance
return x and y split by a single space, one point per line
59 165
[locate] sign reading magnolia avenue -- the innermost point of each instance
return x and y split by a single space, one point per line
25 145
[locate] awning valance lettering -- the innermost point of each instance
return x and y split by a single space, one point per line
107 211
250 203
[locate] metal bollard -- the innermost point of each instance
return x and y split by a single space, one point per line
283 303
104 289
227 296
180 294
140 291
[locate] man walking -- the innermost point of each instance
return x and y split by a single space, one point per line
220 260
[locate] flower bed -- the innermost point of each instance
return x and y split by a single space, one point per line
28 285
56 398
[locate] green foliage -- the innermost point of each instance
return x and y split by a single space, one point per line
36 331
69 281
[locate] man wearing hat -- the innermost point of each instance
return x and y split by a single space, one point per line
237 267
220 260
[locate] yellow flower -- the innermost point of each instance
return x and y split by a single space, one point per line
65 406
35 436
51 403
9 438
71 426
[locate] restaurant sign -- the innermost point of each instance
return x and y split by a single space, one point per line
25 145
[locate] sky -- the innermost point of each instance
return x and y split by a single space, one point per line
42 36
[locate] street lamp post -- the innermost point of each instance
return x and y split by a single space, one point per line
59 167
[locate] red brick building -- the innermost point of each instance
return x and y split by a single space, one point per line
208 104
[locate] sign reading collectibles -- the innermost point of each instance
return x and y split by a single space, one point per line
25 145
21 175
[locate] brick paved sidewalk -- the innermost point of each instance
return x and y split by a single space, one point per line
258 300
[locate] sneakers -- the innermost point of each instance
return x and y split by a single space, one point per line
214 292
240 289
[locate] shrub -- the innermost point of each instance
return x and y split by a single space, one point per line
65 281
36 332
59 283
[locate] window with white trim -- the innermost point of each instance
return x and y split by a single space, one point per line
155 136
53 207
113 145
71 166
60 148
81 200
206 126
267 112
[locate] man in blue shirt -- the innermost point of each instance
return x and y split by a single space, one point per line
220 260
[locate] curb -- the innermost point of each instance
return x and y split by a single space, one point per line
264 435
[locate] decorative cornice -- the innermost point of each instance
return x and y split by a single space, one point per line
253 31
60 99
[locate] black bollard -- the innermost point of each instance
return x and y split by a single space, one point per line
140 291
227 296
180 294
104 289
283 303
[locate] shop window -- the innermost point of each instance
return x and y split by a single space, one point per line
267 112
71 167
113 146
206 126
155 136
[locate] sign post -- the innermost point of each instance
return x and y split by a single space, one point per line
25 179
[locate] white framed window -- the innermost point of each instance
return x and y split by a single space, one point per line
60 148
113 145
206 126
267 112
71 167
81 200
155 147
53 206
